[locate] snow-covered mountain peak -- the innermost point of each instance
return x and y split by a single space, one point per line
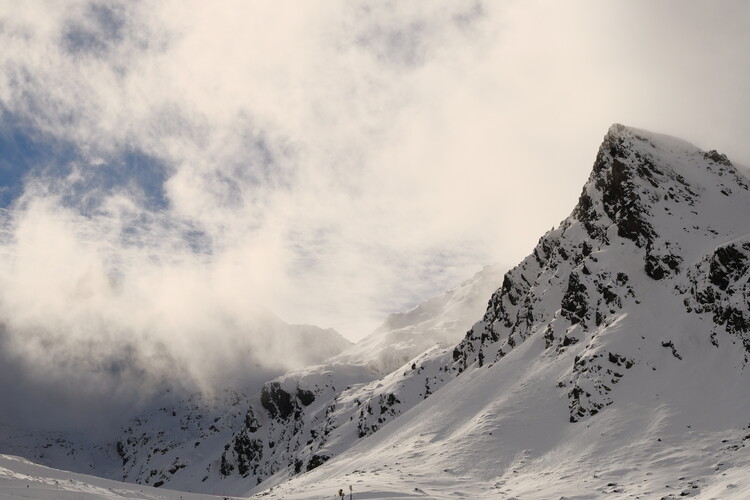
621 341
654 209
439 319
645 182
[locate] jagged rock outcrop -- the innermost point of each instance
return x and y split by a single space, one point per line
650 207
718 286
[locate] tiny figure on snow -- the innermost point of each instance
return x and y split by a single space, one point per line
341 492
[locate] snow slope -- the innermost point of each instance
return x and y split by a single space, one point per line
440 319
21 479
228 446
612 362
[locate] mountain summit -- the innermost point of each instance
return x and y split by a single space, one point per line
653 205
613 359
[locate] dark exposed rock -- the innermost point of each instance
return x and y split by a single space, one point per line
305 397
226 467
719 286
717 157
276 400
727 265
660 266
671 346
317 461
575 301
121 452
587 214
251 423
248 451
620 195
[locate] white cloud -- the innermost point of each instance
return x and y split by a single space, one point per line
333 161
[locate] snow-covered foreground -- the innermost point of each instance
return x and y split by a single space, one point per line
498 436
20 478
692 466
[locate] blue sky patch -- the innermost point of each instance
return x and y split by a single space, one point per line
27 153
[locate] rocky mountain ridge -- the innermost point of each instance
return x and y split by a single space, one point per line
632 314
296 420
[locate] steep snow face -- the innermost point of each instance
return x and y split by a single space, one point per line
619 346
299 420
653 206
438 320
